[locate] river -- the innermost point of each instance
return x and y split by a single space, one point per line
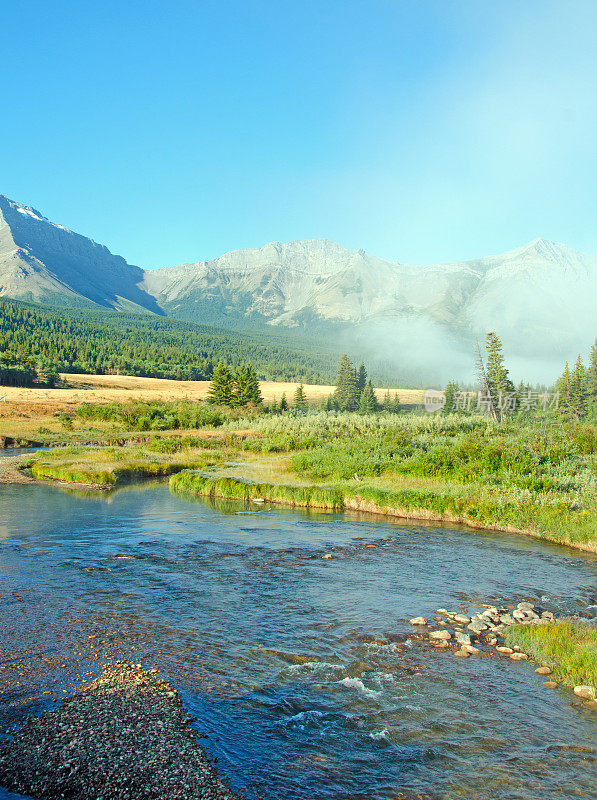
280 654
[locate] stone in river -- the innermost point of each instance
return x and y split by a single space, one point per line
441 611
550 685
585 692
326 555
506 650
418 621
462 654
543 671
462 638
462 618
445 635
518 656
507 619
473 651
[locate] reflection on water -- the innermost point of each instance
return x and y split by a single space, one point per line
299 668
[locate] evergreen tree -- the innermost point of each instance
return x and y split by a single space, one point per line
368 401
361 378
300 399
346 393
450 395
578 393
247 388
563 387
498 381
283 403
221 387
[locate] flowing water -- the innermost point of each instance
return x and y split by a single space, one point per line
301 670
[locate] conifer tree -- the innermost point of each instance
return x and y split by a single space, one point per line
450 395
563 386
283 403
221 387
578 394
346 393
361 377
368 401
498 381
300 399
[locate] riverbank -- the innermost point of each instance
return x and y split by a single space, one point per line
125 735
409 504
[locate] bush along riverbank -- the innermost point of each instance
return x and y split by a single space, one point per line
565 650
126 735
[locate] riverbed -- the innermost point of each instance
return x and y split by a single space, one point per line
301 670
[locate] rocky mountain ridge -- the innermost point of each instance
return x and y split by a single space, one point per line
539 297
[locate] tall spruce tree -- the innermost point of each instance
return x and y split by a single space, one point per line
361 377
300 399
221 387
450 396
578 393
346 393
246 385
368 400
498 380
283 402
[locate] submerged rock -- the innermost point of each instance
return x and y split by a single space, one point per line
418 621
543 671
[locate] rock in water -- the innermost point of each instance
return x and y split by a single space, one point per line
445 635
543 671
418 621
585 692
518 656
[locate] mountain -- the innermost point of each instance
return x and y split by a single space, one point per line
540 298
419 322
42 261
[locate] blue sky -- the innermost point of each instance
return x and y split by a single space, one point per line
421 131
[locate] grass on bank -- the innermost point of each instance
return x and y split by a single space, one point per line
112 466
569 648
235 489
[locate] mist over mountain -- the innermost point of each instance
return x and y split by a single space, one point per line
420 322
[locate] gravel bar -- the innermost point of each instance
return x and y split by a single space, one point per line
125 735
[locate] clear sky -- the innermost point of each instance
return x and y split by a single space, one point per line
421 131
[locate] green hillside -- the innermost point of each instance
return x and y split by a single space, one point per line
112 342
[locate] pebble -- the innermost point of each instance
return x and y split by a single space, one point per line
543 671
418 621
462 618
550 685
462 654
518 656
503 649
473 651
326 555
124 736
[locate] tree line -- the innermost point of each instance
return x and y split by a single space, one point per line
50 340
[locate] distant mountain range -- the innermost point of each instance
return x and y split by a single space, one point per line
540 298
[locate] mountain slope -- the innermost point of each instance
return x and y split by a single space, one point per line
41 261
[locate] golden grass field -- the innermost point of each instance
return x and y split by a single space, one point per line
108 388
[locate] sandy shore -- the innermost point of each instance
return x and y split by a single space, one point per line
126 735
